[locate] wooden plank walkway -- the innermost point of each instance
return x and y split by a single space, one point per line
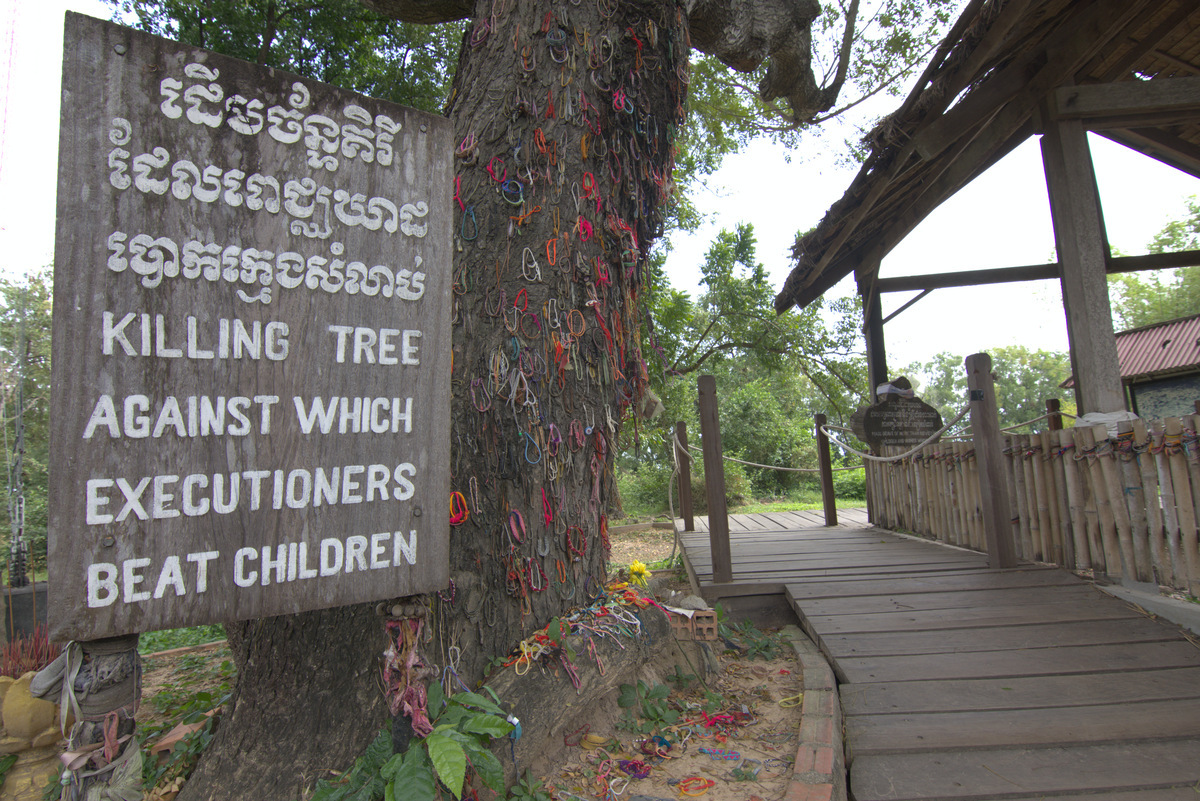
957 682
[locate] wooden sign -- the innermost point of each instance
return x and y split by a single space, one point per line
251 353
898 422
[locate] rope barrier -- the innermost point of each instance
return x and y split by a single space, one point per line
756 464
1046 416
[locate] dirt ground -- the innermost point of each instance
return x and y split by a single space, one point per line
734 740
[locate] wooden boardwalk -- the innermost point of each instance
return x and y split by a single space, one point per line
958 682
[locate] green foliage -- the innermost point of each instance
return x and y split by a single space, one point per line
152 642
6 763
1025 379
463 725
1140 299
364 781
773 373
754 642
28 299
528 788
850 485
727 111
176 704
647 709
680 679
339 42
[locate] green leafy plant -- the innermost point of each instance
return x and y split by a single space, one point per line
754 642
362 782
680 679
651 705
529 788
6 763
175 705
463 726
713 701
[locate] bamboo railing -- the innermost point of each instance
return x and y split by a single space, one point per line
1126 505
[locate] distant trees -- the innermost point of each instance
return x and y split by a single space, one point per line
773 372
1140 299
26 359
339 42
1025 379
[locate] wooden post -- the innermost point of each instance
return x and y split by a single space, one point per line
684 457
989 452
1082 256
824 463
714 482
1053 408
873 332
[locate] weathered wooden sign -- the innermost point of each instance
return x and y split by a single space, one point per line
899 422
251 341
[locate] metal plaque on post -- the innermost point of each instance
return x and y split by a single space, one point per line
251 354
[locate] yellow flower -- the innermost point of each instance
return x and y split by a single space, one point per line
638 573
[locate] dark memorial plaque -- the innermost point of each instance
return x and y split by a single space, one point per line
899 422
251 359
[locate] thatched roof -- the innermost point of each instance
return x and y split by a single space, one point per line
1005 66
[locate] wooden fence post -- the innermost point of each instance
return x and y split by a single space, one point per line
714 482
684 459
989 455
826 468
1053 408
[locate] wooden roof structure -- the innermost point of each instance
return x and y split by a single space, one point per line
1126 69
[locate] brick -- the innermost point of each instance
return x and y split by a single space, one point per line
816 731
819 702
824 760
809 792
806 758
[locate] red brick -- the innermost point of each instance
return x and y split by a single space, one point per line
819 702
806 758
816 730
824 761
798 791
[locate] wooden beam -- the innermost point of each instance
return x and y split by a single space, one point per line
1154 119
905 307
1160 145
714 482
1127 98
1032 272
1082 251
999 275
877 372
1067 49
1186 66
1075 41
1140 46
1153 261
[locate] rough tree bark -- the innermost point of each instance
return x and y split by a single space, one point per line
566 116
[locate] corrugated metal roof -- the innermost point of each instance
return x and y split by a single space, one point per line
1170 347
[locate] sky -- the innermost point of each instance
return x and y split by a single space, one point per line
1000 220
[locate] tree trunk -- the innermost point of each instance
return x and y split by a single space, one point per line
307 701
566 115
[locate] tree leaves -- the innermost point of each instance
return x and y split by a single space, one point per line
449 759
409 777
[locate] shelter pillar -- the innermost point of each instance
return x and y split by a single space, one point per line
1082 247
873 330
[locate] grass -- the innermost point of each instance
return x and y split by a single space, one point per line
151 642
